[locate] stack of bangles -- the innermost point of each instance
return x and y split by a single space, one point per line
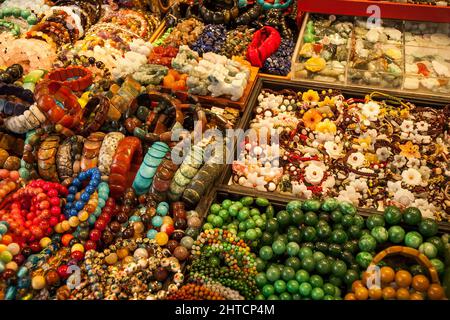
148 168
125 164
95 113
21 117
58 103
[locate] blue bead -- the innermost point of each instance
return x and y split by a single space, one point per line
95 182
73 189
23 283
73 213
89 189
85 197
79 205
151 233
83 175
76 182
70 197
157 221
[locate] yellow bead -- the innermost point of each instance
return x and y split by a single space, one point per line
58 228
44 242
77 247
122 253
74 222
65 225
161 238
83 215
111 258
38 282
167 220
12 266
3 247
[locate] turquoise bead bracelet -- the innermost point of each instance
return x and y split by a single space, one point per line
144 177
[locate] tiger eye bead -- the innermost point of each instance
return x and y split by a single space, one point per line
171 245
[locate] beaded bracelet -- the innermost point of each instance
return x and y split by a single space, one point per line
201 183
10 108
11 74
153 158
29 120
161 181
68 158
48 93
185 173
76 18
218 16
239 267
72 207
76 78
91 150
94 115
125 165
46 158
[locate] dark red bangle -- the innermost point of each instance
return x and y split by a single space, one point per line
77 78
48 93
125 164
94 114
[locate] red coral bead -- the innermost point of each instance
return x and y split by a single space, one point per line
95 235
77 255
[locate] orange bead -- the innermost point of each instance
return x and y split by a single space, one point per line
420 283
362 293
416 296
435 292
375 293
350 296
7 239
389 293
356 284
403 278
387 274
65 239
402 294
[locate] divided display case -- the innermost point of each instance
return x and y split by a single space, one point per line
403 56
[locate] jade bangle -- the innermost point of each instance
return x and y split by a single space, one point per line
148 168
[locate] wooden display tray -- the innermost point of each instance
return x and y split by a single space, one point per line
277 84
226 102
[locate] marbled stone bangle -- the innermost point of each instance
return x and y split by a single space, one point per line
107 151
47 158
91 151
